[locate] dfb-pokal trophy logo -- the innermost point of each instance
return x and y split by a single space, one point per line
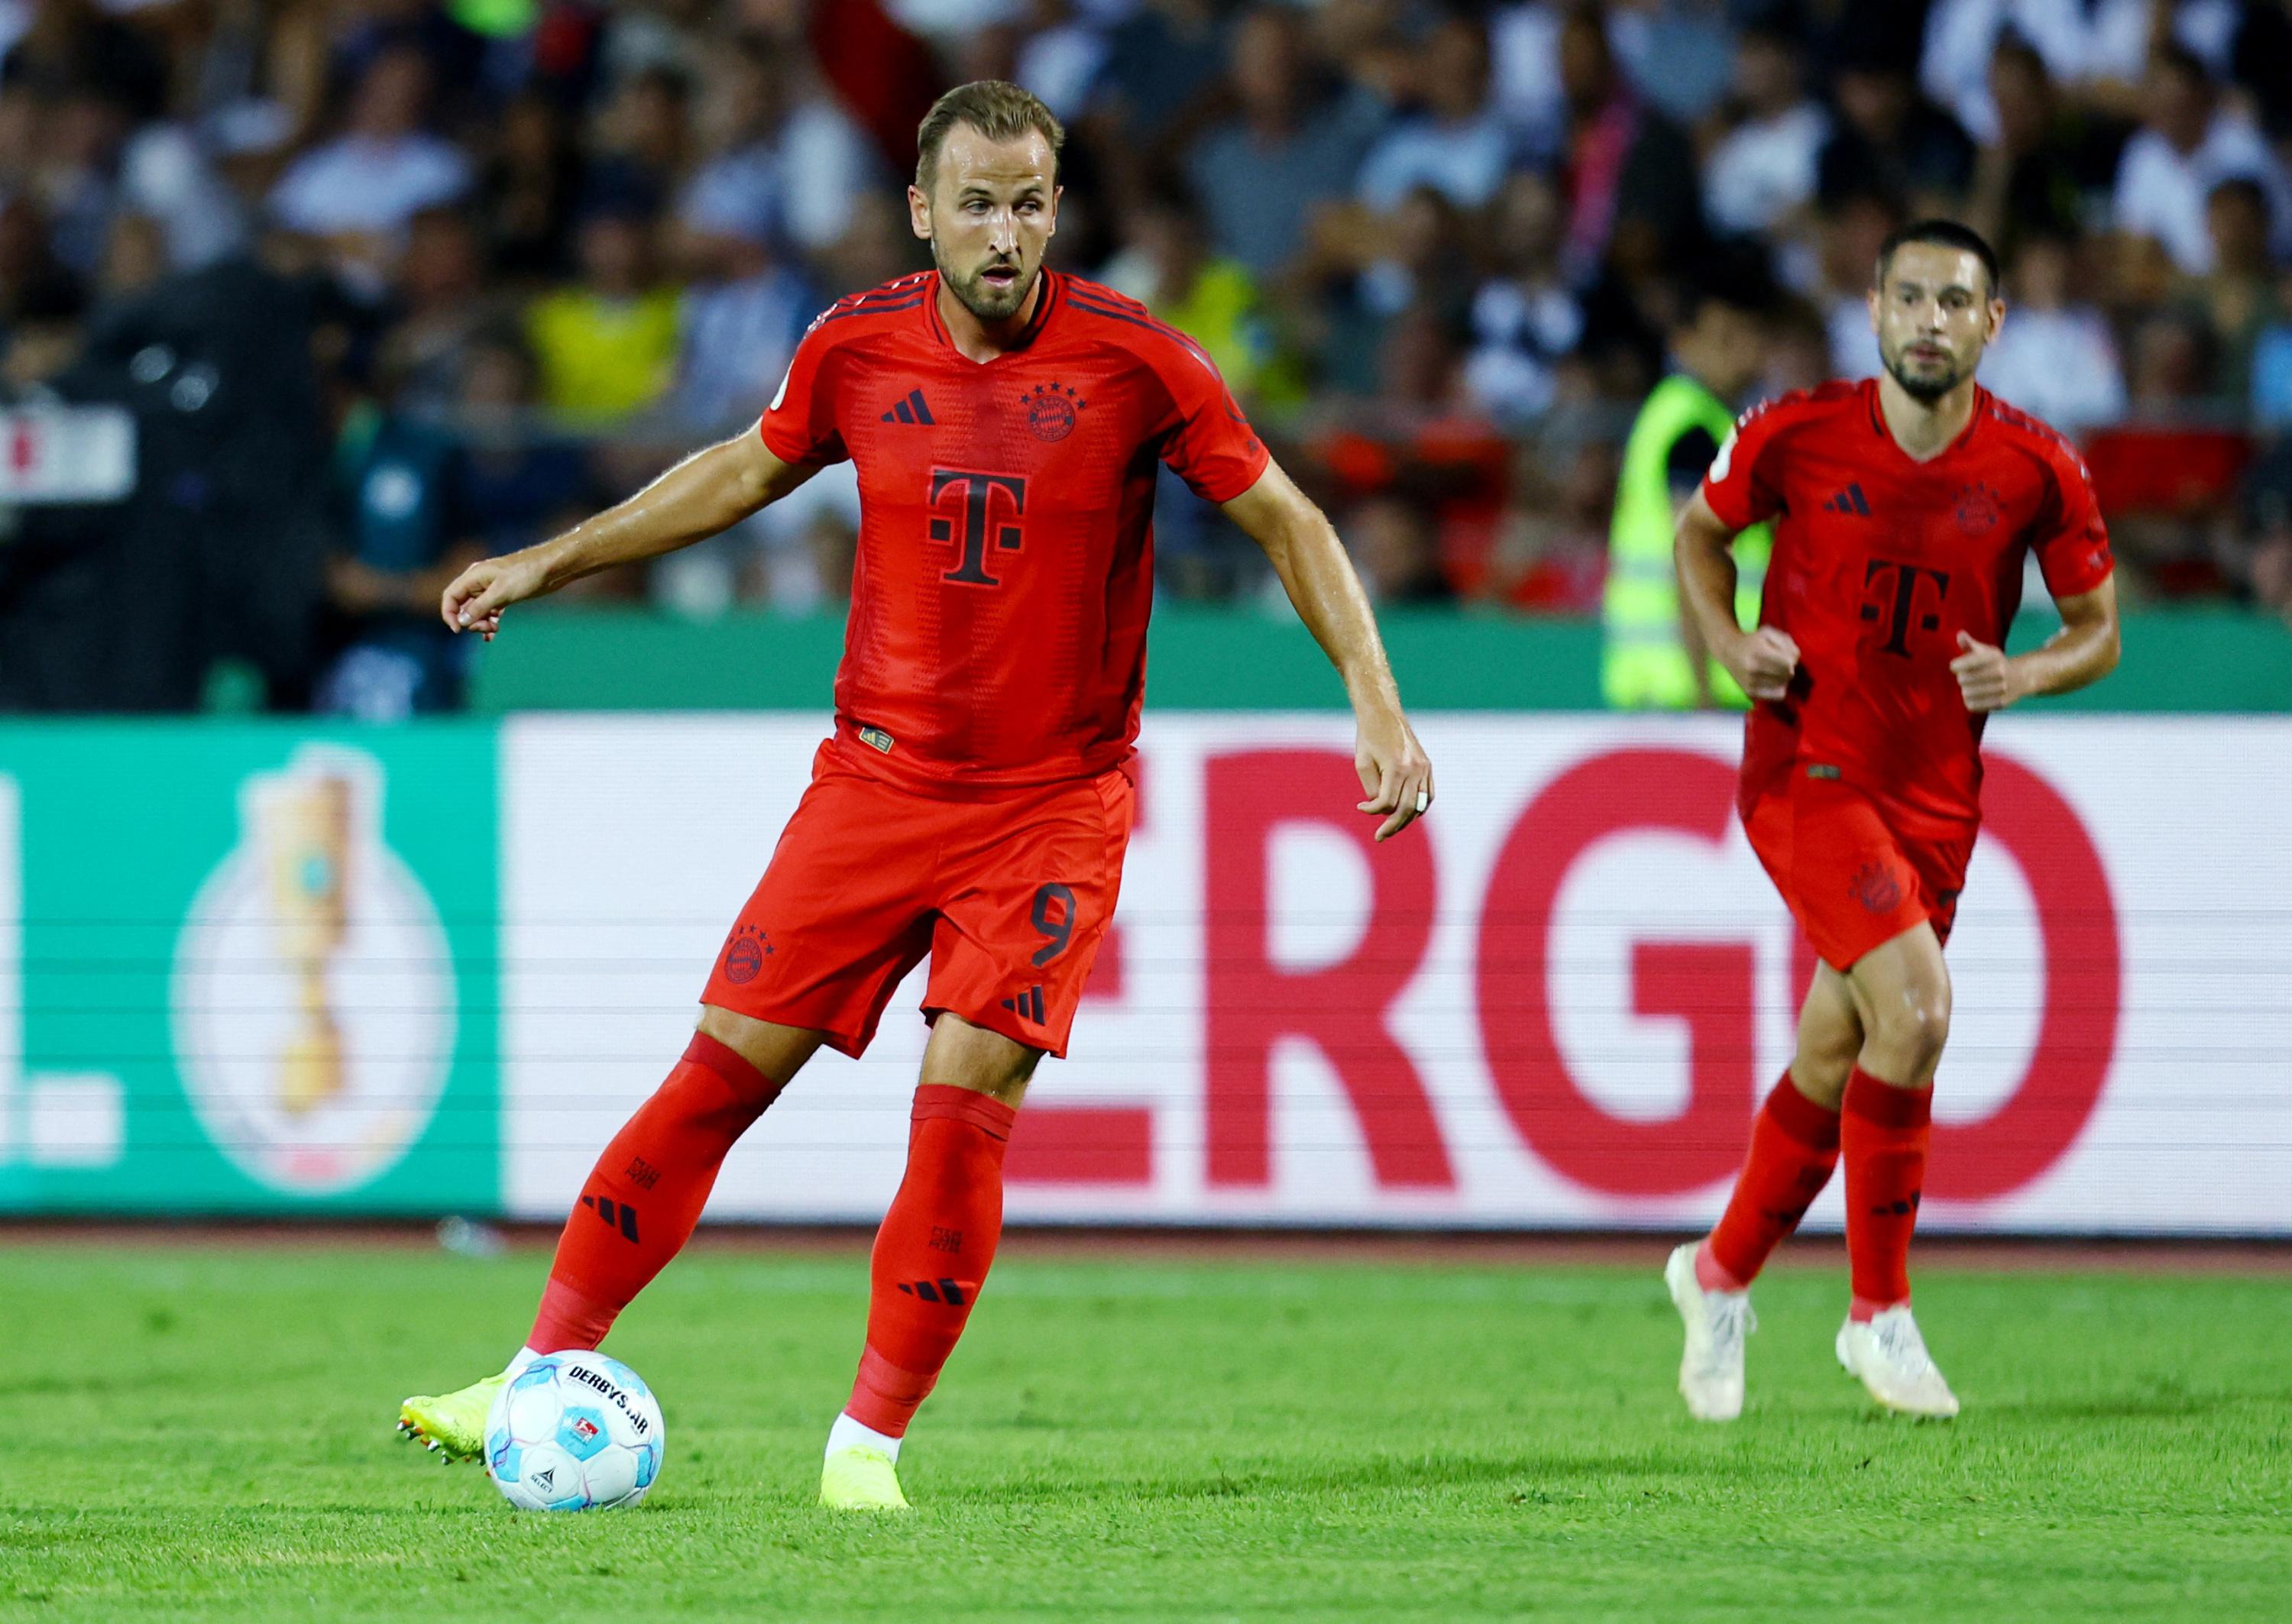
314 1001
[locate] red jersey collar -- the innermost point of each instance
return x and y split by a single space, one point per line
1051 291
1981 399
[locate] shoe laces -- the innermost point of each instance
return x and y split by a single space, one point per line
1898 1338
1731 1320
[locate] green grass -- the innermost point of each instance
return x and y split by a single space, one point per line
206 1434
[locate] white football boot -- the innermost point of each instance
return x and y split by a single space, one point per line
1711 1369
1888 1357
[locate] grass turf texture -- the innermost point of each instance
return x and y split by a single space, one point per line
206 1434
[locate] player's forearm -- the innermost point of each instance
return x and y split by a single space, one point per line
1328 595
2075 657
1706 585
708 492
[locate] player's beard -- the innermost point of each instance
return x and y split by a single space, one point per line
1929 385
982 297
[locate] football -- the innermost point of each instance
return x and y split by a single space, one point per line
574 1432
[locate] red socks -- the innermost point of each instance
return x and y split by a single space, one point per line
640 1205
1885 1131
932 1251
1794 1147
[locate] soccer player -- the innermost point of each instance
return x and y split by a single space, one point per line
1903 508
975 800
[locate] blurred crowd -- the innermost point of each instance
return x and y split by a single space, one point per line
389 284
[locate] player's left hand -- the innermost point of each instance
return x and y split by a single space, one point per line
1985 675
1396 773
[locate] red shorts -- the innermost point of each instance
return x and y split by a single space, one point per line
1009 891
1852 881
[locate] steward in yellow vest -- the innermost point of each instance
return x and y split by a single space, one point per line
1651 656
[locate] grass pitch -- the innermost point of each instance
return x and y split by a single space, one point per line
207 1435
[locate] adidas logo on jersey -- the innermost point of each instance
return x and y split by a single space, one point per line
1849 501
1027 1006
912 410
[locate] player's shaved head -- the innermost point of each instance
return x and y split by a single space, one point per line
986 195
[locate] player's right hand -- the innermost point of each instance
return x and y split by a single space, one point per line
475 600
1763 663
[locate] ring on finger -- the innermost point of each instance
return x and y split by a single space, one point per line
1424 800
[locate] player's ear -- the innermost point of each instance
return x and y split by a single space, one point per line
1871 300
919 219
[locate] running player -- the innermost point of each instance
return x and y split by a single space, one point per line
974 802
1903 508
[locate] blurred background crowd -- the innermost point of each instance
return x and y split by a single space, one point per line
388 284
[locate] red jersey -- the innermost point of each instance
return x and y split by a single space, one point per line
997 630
1879 562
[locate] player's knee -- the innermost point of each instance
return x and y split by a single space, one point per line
1914 1029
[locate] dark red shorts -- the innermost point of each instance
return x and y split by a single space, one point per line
1009 892
1852 880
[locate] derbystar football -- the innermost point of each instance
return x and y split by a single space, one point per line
574 1432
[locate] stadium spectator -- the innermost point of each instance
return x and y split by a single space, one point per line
1549 552
1393 547
359 190
1454 143
1891 141
527 188
2188 143
2236 298
607 346
2040 158
743 312
403 538
781 153
1630 172
2055 356
1166 263
1527 318
441 299
1163 61
519 481
1678 54
62 48
1851 231
1762 171
2101 46
2272 361
1291 144
643 140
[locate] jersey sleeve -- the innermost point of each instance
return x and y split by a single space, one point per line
1741 487
1208 443
800 424
2072 542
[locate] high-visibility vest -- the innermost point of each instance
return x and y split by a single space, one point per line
1643 662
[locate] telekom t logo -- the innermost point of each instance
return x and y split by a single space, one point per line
1898 599
984 502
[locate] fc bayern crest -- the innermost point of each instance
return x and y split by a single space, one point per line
1977 510
1051 410
1875 888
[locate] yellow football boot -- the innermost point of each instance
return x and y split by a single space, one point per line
860 1480
451 1425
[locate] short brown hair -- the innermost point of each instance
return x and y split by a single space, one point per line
996 108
